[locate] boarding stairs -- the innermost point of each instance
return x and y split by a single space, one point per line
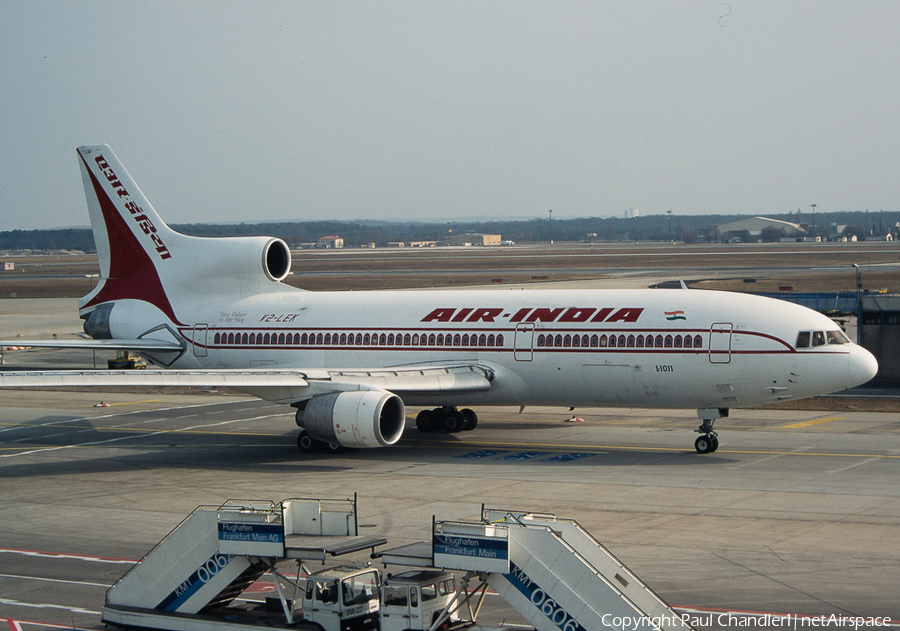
217 552
551 570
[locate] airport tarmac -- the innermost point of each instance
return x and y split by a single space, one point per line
797 513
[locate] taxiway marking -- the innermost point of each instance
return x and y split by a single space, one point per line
817 421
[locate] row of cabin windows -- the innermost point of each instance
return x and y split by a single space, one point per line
349 339
622 341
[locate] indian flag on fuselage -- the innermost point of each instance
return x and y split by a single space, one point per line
675 315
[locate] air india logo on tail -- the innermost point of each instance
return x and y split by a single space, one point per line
137 213
675 315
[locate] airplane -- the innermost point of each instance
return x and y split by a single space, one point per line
215 312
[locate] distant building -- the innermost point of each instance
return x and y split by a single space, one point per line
330 242
472 239
756 225
631 213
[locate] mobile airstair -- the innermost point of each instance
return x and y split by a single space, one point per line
217 552
551 570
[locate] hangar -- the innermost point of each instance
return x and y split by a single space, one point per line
756 225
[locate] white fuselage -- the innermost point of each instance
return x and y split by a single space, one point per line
654 348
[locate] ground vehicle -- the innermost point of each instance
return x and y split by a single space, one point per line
349 598
415 600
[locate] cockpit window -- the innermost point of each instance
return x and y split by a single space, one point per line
837 337
821 338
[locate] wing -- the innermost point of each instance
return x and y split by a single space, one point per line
280 386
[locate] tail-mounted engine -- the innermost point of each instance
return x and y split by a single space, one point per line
239 259
364 418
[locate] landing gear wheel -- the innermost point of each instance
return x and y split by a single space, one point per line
453 422
703 445
708 440
470 419
425 421
305 442
332 448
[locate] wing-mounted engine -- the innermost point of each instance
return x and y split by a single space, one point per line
362 418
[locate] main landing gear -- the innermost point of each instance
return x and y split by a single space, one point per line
708 441
307 444
446 419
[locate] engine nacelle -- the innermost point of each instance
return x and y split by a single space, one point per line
363 418
229 259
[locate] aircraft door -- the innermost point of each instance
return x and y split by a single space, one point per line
523 344
200 335
720 334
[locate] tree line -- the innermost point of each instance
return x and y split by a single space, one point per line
682 228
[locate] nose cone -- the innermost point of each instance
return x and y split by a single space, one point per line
862 366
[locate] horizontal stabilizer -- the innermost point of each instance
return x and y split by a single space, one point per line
136 345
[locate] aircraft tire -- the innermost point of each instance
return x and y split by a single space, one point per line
703 445
470 419
305 442
715 443
454 422
425 421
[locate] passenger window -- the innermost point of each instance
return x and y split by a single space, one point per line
818 338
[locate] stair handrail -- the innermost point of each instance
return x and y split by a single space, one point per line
161 541
599 574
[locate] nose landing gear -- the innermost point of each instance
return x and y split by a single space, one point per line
708 441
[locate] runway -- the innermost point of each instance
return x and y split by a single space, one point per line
797 513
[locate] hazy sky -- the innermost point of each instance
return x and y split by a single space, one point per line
244 111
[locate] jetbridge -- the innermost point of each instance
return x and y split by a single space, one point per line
552 571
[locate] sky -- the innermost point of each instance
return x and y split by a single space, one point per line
260 111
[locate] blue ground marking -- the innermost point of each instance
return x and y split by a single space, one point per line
568 457
525 455
484 453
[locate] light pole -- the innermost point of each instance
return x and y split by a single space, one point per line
669 213
551 226
814 219
858 306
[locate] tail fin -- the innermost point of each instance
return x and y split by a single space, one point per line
141 258
131 239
